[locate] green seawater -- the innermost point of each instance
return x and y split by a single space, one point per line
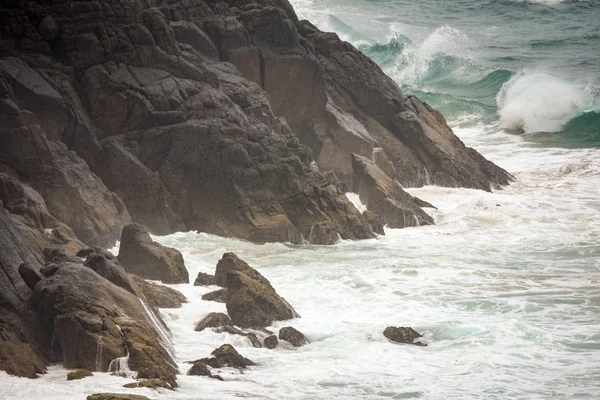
531 67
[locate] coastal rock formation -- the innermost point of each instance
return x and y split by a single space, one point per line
227 356
105 264
384 196
213 320
20 330
149 383
79 374
293 336
157 296
230 262
94 322
140 255
403 335
232 330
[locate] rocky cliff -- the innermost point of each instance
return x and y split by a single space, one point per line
228 117
199 115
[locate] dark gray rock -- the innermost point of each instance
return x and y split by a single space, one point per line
292 335
403 335
140 255
29 275
213 320
271 342
204 279
218 296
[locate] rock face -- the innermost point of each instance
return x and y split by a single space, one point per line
95 321
403 335
20 330
292 335
384 196
231 262
140 255
254 304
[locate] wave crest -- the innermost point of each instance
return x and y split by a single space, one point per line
540 102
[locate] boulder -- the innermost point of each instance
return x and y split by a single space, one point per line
231 262
149 383
204 279
271 342
384 196
232 330
227 356
79 374
141 256
293 336
253 303
219 296
94 322
402 335
105 264
157 296
48 28
21 332
213 320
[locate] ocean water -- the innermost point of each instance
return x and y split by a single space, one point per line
505 286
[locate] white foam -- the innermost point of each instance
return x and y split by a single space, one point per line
540 102
355 200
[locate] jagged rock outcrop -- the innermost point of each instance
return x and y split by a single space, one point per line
142 256
95 321
255 304
204 279
227 356
384 196
403 335
105 264
79 374
140 95
293 336
20 329
230 262
218 296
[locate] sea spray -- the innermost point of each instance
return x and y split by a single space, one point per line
99 350
120 365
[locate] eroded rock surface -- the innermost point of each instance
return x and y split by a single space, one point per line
142 256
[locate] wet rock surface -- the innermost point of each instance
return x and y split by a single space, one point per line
140 255
79 374
218 296
149 383
157 296
271 342
293 336
204 279
403 335
213 320
251 301
116 396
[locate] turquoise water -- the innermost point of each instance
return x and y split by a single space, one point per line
531 67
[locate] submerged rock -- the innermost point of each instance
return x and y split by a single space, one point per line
403 335
271 342
292 335
150 260
213 320
149 383
204 279
116 396
79 374
227 356
199 368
